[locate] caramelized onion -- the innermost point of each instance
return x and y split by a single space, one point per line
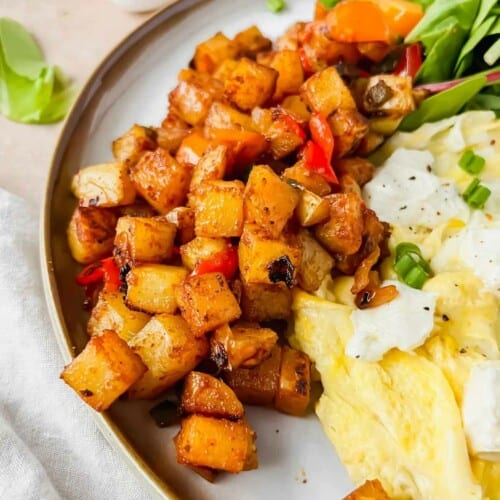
374 297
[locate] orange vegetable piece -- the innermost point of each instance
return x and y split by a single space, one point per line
192 148
401 15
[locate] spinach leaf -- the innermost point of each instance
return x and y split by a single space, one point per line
486 101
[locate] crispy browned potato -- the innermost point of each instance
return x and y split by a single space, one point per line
259 385
218 207
310 180
104 370
143 239
213 165
251 41
170 350
348 128
269 202
171 133
111 313
207 395
295 105
294 385
312 209
91 234
104 185
190 102
183 219
360 169
206 302
250 84
369 143
241 346
389 94
290 39
199 249
223 116
139 209
349 185
211 53
263 302
161 180
150 288
192 148
216 443
130 146
316 263
343 232
369 490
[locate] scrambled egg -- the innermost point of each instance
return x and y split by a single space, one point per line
399 419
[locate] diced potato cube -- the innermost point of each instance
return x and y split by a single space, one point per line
251 41
390 94
150 288
216 443
326 92
104 185
218 207
211 53
250 84
265 260
208 474
225 69
190 102
206 302
139 209
262 302
241 347
170 350
360 169
161 180
207 395
369 490
111 313
91 233
349 185
192 148
199 249
290 39
130 146
202 80
294 385
223 116
290 73
213 165
343 232
312 209
348 128
369 143
259 385
143 239
104 370
171 133
269 202
183 219
310 180
316 263
295 105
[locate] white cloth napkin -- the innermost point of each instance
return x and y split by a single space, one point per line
50 447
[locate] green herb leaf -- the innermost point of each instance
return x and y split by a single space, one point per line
275 5
328 4
476 195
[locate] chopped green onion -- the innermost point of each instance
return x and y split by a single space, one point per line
404 265
329 3
476 195
275 5
471 163
410 266
416 277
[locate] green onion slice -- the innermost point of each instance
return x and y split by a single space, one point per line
476 195
471 162
329 3
275 5
410 266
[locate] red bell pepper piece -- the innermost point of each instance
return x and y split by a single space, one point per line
104 270
306 64
321 134
410 62
315 161
93 273
225 262
292 125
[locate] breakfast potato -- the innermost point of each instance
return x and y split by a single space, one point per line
91 233
360 169
206 302
266 260
209 396
218 207
172 132
312 209
200 249
150 288
190 102
216 443
143 239
223 72
170 350
130 146
192 148
241 346
296 106
290 73
348 184
343 232
138 209
222 116
104 370
251 41
348 128
290 39
316 263
326 92
250 84
161 180
369 143
104 185
211 53
215 162
268 201
183 219
308 179
388 94
263 302
111 313
369 490
259 385
294 385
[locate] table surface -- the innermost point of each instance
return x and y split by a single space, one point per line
75 35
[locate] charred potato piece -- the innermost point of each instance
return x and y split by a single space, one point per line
268 201
218 207
369 490
198 249
130 146
222 116
211 53
104 370
206 302
312 209
143 239
348 128
111 313
294 385
183 219
343 233
250 84
215 162
150 288
161 180
216 443
207 395
169 349
192 148
104 185
91 233
389 94
241 347
251 41
259 385
310 180
262 302
360 169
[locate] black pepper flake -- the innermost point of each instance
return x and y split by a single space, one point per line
86 393
463 350
404 207
281 269
427 308
412 178
429 168
446 317
357 356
